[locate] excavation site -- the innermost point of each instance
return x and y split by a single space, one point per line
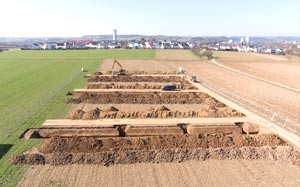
129 117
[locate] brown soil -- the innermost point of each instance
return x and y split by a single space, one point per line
142 73
98 73
161 112
110 151
145 98
136 79
91 145
136 86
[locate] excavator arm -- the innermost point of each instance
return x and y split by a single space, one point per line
121 72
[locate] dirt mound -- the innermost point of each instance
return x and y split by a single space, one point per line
162 112
155 149
122 85
91 145
148 73
142 98
92 114
136 79
77 114
98 73
281 153
163 108
112 109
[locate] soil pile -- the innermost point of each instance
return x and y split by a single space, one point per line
136 86
144 98
137 79
110 151
148 73
90 144
162 112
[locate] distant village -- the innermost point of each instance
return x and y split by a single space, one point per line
243 45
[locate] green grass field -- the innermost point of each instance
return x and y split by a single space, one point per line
33 87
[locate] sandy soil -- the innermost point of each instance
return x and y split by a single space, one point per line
190 173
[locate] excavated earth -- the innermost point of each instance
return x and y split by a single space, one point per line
141 73
155 149
137 79
136 86
162 112
145 98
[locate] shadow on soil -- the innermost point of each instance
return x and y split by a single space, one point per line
4 148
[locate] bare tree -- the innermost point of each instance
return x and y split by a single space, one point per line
142 41
288 54
123 43
208 53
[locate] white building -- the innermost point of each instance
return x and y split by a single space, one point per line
51 45
242 40
37 46
147 45
62 45
247 39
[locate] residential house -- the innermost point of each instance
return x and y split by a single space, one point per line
51 45
61 45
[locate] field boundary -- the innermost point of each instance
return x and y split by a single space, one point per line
255 77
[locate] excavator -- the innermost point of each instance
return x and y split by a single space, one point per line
121 72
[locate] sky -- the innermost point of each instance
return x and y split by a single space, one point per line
75 18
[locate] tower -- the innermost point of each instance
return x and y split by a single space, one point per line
247 39
115 35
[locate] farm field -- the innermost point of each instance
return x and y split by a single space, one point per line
252 57
191 173
33 88
270 67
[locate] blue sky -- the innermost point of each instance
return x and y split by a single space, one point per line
45 18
